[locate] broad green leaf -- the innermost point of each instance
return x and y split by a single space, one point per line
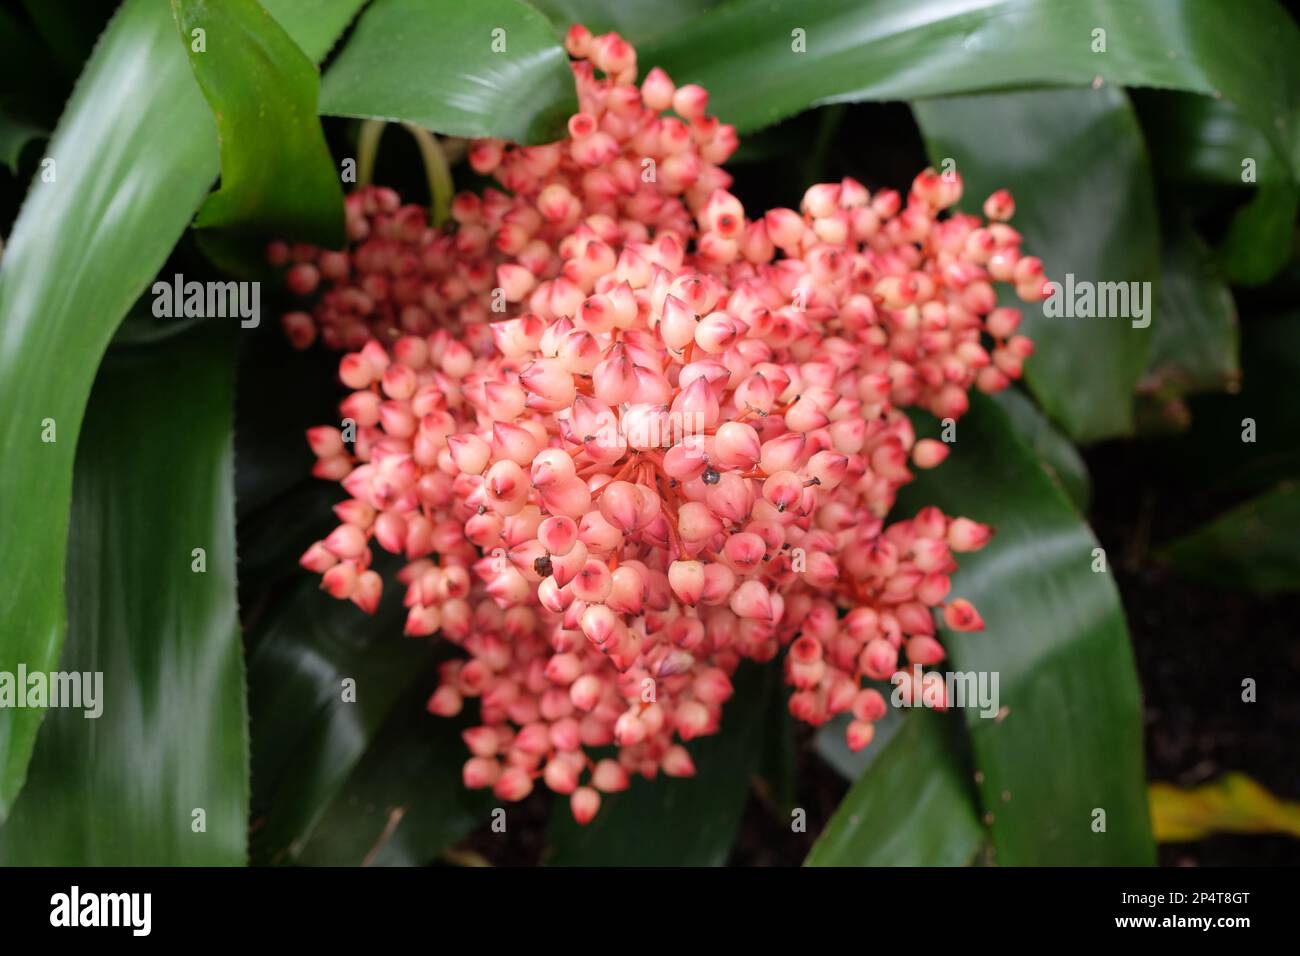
488 68
747 53
1067 738
1075 162
1194 338
914 806
677 822
154 483
1058 456
404 804
1232 804
134 154
315 25
1212 153
1200 141
1253 547
322 679
1261 237
273 538
833 747
638 21
15 134
137 330
277 176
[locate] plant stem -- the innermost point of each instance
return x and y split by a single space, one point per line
367 148
814 167
439 173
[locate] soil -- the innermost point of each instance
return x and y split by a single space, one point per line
1194 645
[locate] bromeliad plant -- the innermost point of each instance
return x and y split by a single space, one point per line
670 446
651 440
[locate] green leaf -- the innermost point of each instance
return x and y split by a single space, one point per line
744 53
1211 152
1068 737
404 804
277 176
1202 141
1076 164
273 538
677 822
1262 235
833 747
1058 456
1252 547
639 21
14 137
154 482
913 806
135 152
1194 338
314 25
308 734
134 155
435 63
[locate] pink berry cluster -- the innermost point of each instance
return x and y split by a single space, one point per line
626 436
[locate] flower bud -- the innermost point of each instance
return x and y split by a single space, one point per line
687 581
960 615
584 802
